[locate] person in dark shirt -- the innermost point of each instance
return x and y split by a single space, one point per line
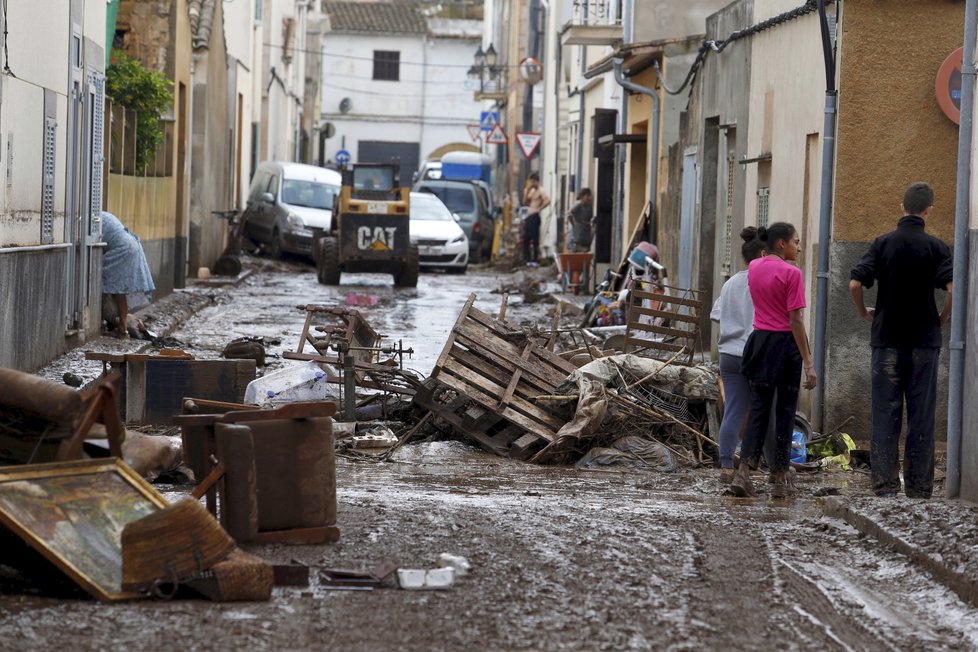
908 264
580 217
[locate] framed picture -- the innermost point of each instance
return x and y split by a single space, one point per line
73 514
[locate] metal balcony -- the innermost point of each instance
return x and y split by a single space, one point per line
593 22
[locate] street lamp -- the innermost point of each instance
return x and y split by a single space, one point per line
490 76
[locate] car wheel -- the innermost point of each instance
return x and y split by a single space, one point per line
275 246
475 256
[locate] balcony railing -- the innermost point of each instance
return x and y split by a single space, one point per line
596 12
593 22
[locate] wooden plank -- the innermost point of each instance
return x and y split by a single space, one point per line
304 337
529 388
553 329
662 330
665 298
497 329
521 420
514 381
494 393
446 351
307 535
508 357
492 340
521 449
502 306
665 314
528 416
652 344
491 323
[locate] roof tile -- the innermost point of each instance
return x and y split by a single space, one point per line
384 17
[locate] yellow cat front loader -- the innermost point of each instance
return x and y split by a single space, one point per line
370 230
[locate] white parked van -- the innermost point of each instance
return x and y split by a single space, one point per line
288 204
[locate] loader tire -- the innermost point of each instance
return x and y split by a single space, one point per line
328 261
408 278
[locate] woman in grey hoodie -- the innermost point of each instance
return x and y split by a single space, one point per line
734 311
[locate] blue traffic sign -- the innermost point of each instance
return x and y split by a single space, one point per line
488 120
342 157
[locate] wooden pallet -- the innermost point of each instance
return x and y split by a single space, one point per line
675 315
494 371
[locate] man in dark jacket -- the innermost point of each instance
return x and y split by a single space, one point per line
580 216
909 265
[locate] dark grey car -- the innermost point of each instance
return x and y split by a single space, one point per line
468 202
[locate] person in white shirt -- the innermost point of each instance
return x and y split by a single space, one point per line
734 311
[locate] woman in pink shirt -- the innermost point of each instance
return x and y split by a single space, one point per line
774 356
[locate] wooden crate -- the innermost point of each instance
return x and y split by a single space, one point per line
497 371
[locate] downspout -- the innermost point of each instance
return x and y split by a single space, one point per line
825 213
959 297
424 94
654 130
188 202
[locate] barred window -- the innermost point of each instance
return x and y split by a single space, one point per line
763 200
387 65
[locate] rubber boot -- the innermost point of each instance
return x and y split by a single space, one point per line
782 489
741 485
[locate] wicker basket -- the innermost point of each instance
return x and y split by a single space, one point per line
239 578
171 544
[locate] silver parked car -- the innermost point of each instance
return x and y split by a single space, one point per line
434 229
288 204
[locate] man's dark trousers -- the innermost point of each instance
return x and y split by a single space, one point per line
899 374
531 237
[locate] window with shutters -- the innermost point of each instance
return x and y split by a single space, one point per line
763 201
47 187
728 220
387 65
96 89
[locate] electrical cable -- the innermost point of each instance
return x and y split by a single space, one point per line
708 46
6 54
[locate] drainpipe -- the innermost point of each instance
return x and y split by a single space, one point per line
959 306
825 214
654 129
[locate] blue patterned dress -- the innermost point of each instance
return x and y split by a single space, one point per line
124 266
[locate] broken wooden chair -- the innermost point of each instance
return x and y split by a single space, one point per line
274 470
45 421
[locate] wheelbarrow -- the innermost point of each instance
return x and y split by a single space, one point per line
575 270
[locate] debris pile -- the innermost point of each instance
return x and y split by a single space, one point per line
504 388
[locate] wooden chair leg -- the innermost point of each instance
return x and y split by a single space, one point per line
113 422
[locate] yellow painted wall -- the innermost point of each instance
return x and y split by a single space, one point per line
143 204
891 131
639 157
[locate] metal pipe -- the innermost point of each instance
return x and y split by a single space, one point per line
959 307
349 385
654 129
825 217
34 248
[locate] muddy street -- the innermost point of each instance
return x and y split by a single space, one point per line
561 559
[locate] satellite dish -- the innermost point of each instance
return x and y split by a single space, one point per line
345 105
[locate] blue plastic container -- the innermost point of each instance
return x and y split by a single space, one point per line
799 449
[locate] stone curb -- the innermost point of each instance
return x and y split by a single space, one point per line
964 586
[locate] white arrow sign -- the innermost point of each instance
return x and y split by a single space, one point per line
528 143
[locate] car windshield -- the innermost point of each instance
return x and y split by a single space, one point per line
459 199
427 207
310 194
